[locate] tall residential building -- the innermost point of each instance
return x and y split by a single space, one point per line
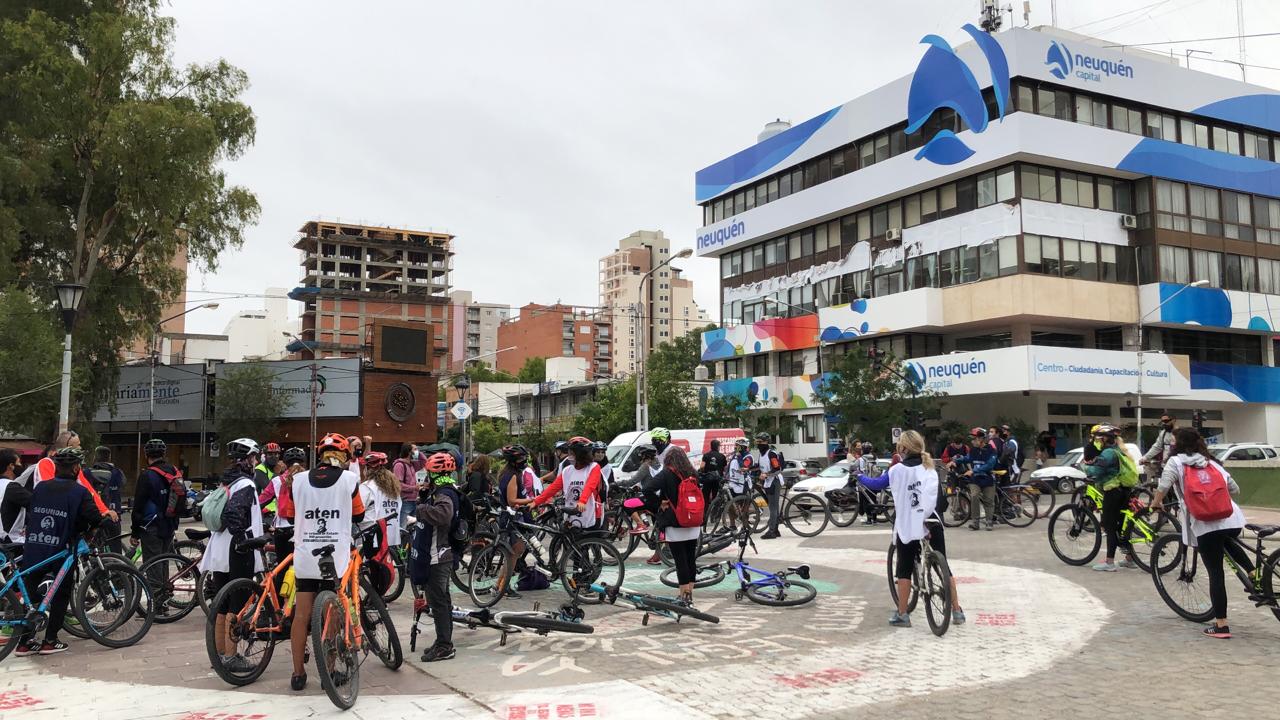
1016 241
363 273
473 328
550 331
668 310
261 334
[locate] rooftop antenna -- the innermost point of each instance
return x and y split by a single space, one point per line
990 19
1053 13
1026 13
1240 32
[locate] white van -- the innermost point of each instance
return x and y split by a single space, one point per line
623 458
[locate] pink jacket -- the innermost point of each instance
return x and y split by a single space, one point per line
407 476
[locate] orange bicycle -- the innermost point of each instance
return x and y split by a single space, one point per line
338 642
256 626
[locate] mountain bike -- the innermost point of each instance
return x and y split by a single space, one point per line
568 618
670 608
855 498
930 578
1075 529
749 508
99 556
805 514
1184 585
1015 505
776 589
257 625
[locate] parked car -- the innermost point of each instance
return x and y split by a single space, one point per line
794 470
833 477
1064 475
1242 452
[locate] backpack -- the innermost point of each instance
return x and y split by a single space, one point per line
531 579
464 518
1205 493
100 477
690 505
1128 473
212 507
177 491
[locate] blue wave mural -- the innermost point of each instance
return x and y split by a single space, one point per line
1257 110
943 80
759 158
1250 383
1209 307
1188 163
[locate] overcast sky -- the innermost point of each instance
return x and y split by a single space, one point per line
540 133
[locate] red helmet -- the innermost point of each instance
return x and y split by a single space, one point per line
441 462
271 448
978 432
579 443
375 460
334 441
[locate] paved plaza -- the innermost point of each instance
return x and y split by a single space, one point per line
1042 639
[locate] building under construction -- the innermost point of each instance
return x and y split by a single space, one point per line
356 274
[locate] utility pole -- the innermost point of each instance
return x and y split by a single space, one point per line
314 400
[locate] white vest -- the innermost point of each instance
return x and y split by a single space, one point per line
322 517
378 506
768 476
18 531
915 496
737 472
217 554
574 484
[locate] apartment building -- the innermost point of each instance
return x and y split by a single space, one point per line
473 328
550 331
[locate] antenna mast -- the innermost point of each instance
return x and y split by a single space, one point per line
990 19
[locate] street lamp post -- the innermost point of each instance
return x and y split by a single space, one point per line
462 384
155 351
1141 370
69 297
642 375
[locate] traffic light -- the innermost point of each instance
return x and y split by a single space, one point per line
876 356
1197 419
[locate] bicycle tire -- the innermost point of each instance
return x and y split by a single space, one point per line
760 510
1025 511
1076 523
890 570
164 589
618 525
1137 540
462 568
1177 587
329 642
843 513
202 591
490 563
397 581
937 579
957 513
545 623
805 514
373 615
189 549
679 609
591 559
240 633
1271 581
759 594
706 576
13 611
118 586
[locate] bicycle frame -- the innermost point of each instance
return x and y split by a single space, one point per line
348 589
741 568
269 592
68 558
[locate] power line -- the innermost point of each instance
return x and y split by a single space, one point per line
1194 40
1120 14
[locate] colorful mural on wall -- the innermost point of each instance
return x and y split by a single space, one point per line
891 313
771 335
1210 307
774 393
1250 383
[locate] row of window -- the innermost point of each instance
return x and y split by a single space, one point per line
1220 270
1039 98
1211 211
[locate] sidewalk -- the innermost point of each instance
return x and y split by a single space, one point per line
1261 516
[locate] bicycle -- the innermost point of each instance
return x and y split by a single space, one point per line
750 507
1015 504
805 514
762 586
669 608
930 577
1178 586
846 503
337 638
113 588
569 618
1075 531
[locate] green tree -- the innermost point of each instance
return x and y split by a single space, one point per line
483 373
110 167
489 434
868 401
246 406
534 370
673 400
611 413
30 360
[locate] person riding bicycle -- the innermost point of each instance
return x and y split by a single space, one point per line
326 502
741 467
647 457
513 485
241 520
578 483
1162 449
978 466
1115 474
769 463
61 511
431 558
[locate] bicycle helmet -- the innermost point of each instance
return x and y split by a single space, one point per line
1108 430
155 447
515 453
334 441
440 463
375 460
978 432
660 434
763 437
578 443
741 443
294 456
599 446
868 448
272 448
69 456
645 452
242 448
562 446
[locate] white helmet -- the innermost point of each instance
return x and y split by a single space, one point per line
242 448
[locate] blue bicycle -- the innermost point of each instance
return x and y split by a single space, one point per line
112 601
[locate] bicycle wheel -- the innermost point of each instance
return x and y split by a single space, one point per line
843 512
1185 587
805 514
12 613
485 575
886 503
337 658
591 561
678 609
1140 535
1074 534
957 513
379 633
204 590
618 524
890 569
249 643
543 624
189 549
937 589
759 513
462 566
396 586
781 592
706 576
115 605
174 583
1021 510
1271 581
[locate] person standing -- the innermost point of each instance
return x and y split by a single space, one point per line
264 472
149 522
682 541
839 452
711 474
357 455
15 498
1115 474
108 480
1162 449
407 475
979 463
770 464
431 559
479 483
1191 461
661 440
1010 453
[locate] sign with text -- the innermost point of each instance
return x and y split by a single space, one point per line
179 392
337 385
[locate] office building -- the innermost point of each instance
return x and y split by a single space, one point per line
473 328
551 331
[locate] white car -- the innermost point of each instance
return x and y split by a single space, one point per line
1064 475
1249 452
831 478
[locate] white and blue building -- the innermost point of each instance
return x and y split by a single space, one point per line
1003 219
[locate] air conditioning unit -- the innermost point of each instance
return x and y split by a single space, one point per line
1129 222
894 234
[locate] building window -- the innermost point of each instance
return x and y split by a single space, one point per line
1205 215
1175 264
811 426
791 364
1171 206
922 272
968 264
1236 212
949 267
758 365
1206 265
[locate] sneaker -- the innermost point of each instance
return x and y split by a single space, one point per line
298 682
53 647
639 529
957 617
25 648
1221 633
1105 567
1127 564
990 527
973 527
868 522
656 559
897 620
436 653
770 536
236 664
511 593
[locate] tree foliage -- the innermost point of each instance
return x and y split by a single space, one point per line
110 167
869 402
479 373
534 370
30 358
489 434
673 399
611 413
246 406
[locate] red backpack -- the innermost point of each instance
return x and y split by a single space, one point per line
1205 493
690 504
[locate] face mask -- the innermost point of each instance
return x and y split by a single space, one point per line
762 447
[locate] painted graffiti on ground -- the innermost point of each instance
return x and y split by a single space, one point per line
549 711
14 699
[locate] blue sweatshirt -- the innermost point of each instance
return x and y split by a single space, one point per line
982 460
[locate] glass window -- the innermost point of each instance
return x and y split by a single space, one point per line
820 239
1175 264
1232 272
726 268
986 189
810 174
948 267
1219 138
1108 268
1084 190
772 190
867 154
793 245
806 243
784 185
848 229
1257 146
1025 98
1030 182
748 261
966 194
1067 183
1031 253
929 206
947 199
824 169
989 260
864 225
1008 255
969 270
1124 196
1070 258
1088 260
771 254
922 272
1045 102
1119 118
912 211
1206 265
735 263
757 255
1248 274
1236 212
888 283
882 148
1048 185
879 221
1106 197
751 197
1004 184
1050 256
739 203
837 164
1171 205
1084 109
1155 126
895 214
1268 277
1204 211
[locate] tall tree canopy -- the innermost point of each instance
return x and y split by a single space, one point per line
110 167
870 400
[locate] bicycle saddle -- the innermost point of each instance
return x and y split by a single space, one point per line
323 552
801 570
633 503
193 534
282 534
256 543
1263 531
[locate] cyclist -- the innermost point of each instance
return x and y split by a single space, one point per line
578 483
14 498
1212 538
866 461
265 471
648 457
682 541
326 501
661 439
1162 449
600 454
149 524
513 483
979 464
1010 453
432 558
562 459
380 493
61 510
295 460
711 474
406 471
357 455
769 462
108 481
914 484
1115 474
241 520
741 466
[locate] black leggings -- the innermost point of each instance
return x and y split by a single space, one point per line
1114 501
1212 546
57 605
685 553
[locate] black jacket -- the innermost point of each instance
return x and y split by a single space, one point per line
150 500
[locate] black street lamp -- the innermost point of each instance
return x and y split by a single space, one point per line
69 297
